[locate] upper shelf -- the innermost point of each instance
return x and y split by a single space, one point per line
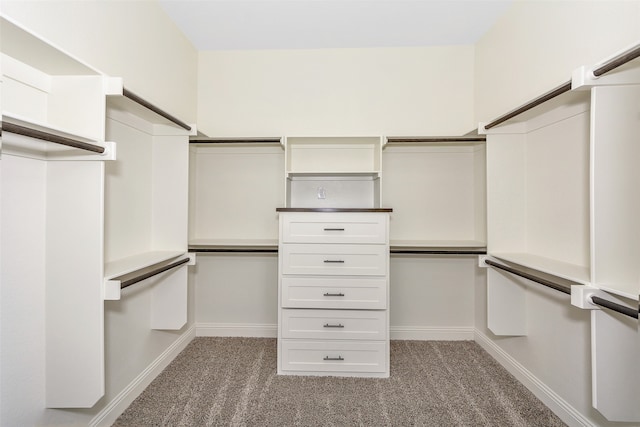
337 155
27 48
126 106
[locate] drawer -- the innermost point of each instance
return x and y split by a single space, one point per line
337 260
334 324
333 356
328 292
327 227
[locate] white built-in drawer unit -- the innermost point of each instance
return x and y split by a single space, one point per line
333 292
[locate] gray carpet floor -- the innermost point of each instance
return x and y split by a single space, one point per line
233 382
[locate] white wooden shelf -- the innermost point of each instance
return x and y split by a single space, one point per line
137 262
233 245
333 154
463 244
572 272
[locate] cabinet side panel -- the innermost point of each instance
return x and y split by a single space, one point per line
22 275
74 304
616 199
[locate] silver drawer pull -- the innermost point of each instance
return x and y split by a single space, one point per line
333 358
334 229
339 294
328 325
334 261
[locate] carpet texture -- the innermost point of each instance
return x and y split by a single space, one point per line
233 382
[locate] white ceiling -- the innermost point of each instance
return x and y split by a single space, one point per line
315 24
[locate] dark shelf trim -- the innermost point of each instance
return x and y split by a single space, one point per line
437 252
426 140
235 141
334 210
234 250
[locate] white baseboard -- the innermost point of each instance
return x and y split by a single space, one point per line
557 404
423 333
108 415
257 330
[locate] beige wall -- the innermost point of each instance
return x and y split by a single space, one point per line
537 44
135 40
407 91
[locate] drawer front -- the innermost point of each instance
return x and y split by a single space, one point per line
333 356
324 292
334 324
337 260
312 227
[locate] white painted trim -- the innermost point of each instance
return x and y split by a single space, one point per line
555 402
424 333
108 415
236 330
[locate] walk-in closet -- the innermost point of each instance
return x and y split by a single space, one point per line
318 230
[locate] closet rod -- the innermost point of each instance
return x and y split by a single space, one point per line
617 61
46 136
436 252
134 280
135 98
236 141
615 307
441 139
565 87
230 250
547 283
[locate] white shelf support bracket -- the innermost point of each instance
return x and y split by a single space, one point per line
111 291
482 259
581 296
192 258
584 78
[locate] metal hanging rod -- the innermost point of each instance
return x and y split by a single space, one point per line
612 64
565 87
438 139
135 98
615 307
134 280
617 61
233 250
46 136
437 252
547 283
236 141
